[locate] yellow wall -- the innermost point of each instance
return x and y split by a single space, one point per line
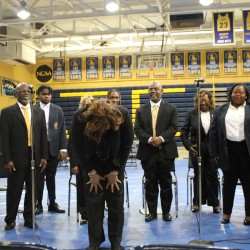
28 74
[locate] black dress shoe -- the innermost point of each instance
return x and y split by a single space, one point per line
10 226
39 209
225 218
30 225
150 217
167 217
116 247
54 207
216 210
83 221
92 247
194 209
246 222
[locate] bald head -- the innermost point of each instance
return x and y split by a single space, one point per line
155 91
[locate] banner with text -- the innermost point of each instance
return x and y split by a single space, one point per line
108 67
75 68
230 61
246 61
212 63
92 68
246 27
194 63
177 64
223 27
125 63
59 69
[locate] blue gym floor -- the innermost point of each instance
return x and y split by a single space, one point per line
63 232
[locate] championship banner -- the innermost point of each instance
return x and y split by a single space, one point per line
177 64
194 63
212 63
246 27
125 63
108 67
8 87
58 69
230 61
75 68
92 68
246 61
223 27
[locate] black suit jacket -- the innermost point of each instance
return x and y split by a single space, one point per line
57 131
120 143
14 136
190 127
166 126
218 135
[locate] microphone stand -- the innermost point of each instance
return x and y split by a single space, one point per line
32 169
199 161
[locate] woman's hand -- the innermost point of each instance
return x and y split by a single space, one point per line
113 180
193 150
94 181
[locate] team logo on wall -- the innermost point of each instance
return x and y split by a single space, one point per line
43 73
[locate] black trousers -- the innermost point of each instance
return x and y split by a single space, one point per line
49 174
239 169
15 183
157 173
95 209
209 181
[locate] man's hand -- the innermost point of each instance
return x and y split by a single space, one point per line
156 142
94 181
43 164
113 180
62 156
75 170
193 150
10 166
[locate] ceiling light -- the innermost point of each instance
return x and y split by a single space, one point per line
206 2
23 13
112 5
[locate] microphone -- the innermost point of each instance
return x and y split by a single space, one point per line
200 80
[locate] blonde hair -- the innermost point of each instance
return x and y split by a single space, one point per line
85 100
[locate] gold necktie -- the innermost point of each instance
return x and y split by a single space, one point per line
27 121
154 118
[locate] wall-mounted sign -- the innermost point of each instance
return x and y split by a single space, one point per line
59 69
75 68
223 27
125 63
91 68
8 87
212 63
177 64
246 27
108 67
43 73
194 63
230 61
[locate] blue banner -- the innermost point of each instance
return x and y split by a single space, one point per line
223 26
58 69
246 27
125 63
177 64
246 61
108 67
212 63
230 61
194 63
75 68
91 68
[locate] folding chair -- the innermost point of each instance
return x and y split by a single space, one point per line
190 183
131 162
144 209
126 188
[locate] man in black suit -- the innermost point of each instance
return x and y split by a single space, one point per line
57 145
16 148
155 127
